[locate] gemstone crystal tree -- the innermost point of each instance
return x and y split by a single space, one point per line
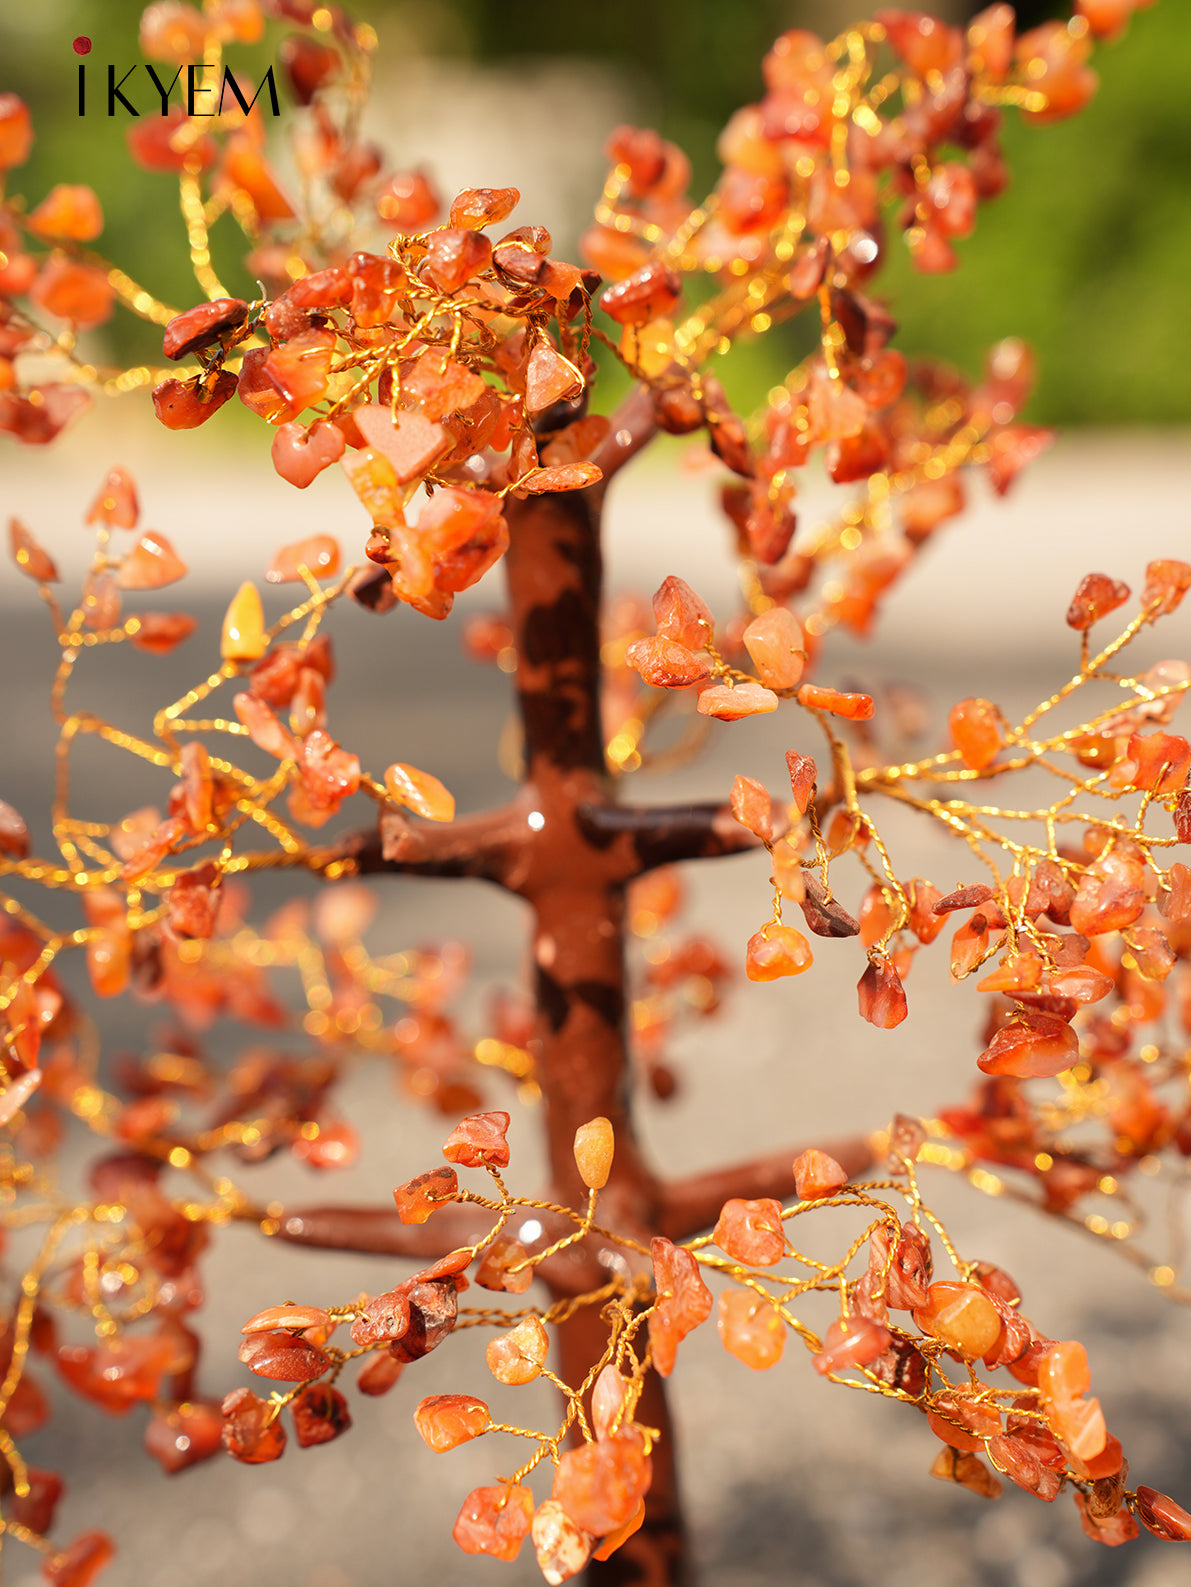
450 365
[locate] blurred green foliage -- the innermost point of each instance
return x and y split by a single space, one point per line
1086 256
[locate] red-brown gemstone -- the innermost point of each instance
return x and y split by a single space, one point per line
479 1141
283 1356
81 1561
1095 596
320 1414
252 1431
881 994
203 326
419 1197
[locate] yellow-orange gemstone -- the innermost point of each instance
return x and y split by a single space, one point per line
730 705
319 555
595 1143
244 637
298 1318
776 643
519 1356
750 1328
420 792
855 707
447 1420
775 951
549 378
976 732
960 1315
752 807
68 212
151 564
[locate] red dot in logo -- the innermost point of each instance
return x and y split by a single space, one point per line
82 45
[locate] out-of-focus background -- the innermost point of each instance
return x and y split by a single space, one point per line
789 1478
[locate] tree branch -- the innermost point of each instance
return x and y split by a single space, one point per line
665 834
633 425
378 1231
691 1205
476 845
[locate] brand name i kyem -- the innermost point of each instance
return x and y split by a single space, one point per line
201 97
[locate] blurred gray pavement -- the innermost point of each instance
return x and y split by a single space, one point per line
789 1479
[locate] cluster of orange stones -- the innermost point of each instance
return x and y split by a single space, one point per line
432 364
899 1332
446 370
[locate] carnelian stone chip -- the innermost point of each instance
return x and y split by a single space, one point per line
684 1301
479 1141
775 951
518 1356
81 1561
201 327
962 1316
881 995
384 1317
681 615
751 805
185 404
562 1548
151 564
644 295
29 556
595 1144
495 1521
447 1420
1162 1516
1038 1044
851 1342
750 1329
252 1432
116 506
751 1231
419 1197
283 1356
1096 595
182 1435
817 1174
600 1485
976 732
16 131
962 1422
378 1375
776 643
1166 584
855 707
666 664
420 792
243 637
320 1414
319 555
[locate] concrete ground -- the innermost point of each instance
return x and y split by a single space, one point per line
788 1478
